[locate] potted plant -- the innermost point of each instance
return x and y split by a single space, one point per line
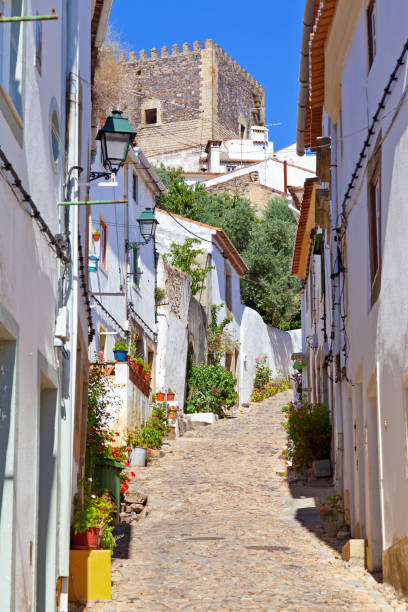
93 512
96 235
170 395
120 350
138 453
160 397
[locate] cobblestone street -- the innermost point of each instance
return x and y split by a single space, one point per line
224 533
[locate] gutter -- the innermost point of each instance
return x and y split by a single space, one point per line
304 76
103 22
149 168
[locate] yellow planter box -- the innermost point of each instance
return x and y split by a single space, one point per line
89 575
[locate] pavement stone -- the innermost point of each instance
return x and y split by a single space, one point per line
225 531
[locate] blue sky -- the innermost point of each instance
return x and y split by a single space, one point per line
263 36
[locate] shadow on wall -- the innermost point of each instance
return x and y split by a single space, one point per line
257 340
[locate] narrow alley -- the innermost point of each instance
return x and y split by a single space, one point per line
223 532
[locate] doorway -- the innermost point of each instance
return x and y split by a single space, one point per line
47 498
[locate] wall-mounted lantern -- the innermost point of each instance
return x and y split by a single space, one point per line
116 137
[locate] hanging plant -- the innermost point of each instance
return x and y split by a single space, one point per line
96 235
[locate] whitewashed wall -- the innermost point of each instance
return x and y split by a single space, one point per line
258 340
172 325
122 226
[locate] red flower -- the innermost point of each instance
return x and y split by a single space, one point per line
133 474
127 463
93 430
117 433
112 440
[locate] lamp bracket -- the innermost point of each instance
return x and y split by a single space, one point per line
135 245
93 176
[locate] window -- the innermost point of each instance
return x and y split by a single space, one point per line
55 136
38 44
228 362
16 59
103 252
150 116
11 60
371 33
136 275
134 188
1 43
374 220
228 291
102 340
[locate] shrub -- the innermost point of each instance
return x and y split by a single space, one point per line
308 431
211 389
263 373
272 389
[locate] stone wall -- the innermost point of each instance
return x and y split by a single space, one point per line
200 94
247 186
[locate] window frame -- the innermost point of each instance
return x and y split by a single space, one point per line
228 289
12 110
135 262
374 213
103 245
371 33
135 187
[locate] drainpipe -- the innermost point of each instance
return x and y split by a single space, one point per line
380 456
125 240
69 374
285 176
304 76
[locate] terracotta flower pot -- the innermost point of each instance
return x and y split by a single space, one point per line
96 236
170 396
160 397
87 540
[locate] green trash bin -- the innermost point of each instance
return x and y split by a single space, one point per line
107 476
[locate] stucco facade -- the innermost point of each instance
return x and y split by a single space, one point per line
122 288
366 357
43 317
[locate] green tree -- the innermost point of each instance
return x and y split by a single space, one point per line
266 245
269 286
181 199
232 213
184 257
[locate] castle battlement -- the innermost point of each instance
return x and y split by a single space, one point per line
136 58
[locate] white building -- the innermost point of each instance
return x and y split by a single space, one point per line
123 286
222 287
356 102
43 310
182 328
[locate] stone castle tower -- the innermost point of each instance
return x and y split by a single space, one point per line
185 99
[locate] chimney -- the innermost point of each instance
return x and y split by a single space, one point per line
213 150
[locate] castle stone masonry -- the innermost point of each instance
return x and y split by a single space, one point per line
190 96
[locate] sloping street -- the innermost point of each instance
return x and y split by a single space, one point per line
223 531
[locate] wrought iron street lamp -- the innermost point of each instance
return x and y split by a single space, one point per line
116 137
147 225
